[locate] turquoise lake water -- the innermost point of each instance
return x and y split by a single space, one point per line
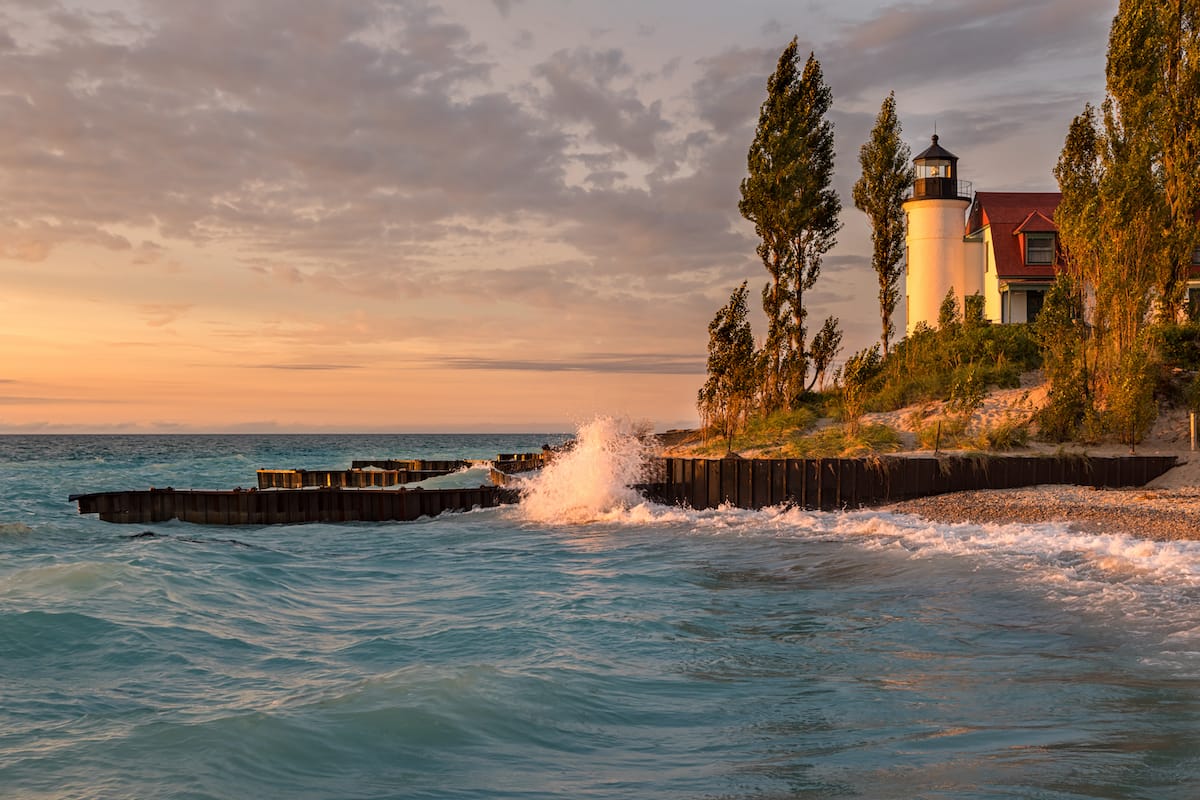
581 645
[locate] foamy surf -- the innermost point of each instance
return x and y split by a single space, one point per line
593 480
1151 585
654 652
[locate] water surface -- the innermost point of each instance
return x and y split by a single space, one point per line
584 645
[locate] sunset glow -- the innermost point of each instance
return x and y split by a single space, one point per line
359 215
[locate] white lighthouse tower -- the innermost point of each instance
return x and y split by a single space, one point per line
935 249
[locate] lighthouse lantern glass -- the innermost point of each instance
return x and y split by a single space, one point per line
934 168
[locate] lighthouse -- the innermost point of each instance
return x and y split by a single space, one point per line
935 248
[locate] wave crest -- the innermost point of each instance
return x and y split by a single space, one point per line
593 479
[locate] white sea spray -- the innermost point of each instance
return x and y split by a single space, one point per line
593 480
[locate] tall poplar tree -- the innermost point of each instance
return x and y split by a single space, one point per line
887 175
788 196
1153 80
1130 184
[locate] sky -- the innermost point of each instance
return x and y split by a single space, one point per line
450 215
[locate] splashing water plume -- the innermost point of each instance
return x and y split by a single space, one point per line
593 479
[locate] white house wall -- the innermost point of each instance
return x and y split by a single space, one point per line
991 282
972 268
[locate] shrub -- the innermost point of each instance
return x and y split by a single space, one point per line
925 365
837 441
1003 436
778 423
942 434
854 378
967 391
1178 345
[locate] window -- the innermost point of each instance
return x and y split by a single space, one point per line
1196 256
1039 248
934 169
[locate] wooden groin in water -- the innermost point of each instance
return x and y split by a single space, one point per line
362 493
827 484
276 506
830 484
349 478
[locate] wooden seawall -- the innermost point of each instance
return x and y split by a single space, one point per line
830 484
349 478
286 505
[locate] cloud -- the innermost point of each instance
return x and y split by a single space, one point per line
158 315
307 367
584 87
326 131
366 151
657 364
732 85
504 6
910 43
16 400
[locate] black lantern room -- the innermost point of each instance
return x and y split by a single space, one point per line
937 175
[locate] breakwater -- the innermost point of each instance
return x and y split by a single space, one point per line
367 493
830 484
281 506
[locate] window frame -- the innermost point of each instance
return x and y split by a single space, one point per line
1047 245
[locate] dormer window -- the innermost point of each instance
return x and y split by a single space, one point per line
1039 248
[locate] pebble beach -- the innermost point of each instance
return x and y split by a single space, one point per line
1157 514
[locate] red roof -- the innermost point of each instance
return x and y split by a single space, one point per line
1037 222
1009 214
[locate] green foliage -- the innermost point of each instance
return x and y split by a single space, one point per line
948 316
1153 80
1191 395
945 434
928 364
825 347
777 425
772 431
727 395
973 310
1062 417
967 390
855 379
788 195
886 177
839 441
1178 344
1061 334
1131 406
1130 191
956 434
1005 435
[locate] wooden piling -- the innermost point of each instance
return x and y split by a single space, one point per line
286 506
837 483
